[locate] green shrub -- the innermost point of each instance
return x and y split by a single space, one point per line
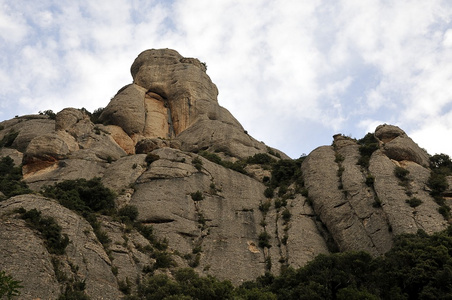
445 211
401 173
264 240
50 114
441 163
49 229
186 285
339 158
368 145
414 202
9 287
340 171
284 172
125 286
438 183
197 163
238 166
377 202
260 159
75 290
269 192
11 183
286 215
128 213
8 139
96 114
82 195
264 207
370 180
211 156
162 260
197 196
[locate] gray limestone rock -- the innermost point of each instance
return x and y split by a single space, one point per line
398 146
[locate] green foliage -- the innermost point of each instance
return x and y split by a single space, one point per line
128 213
197 163
96 114
49 229
419 266
150 158
401 173
271 152
269 192
368 145
280 203
186 285
438 183
9 287
197 196
370 180
82 195
414 202
147 232
285 171
238 166
441 163
211 156
286 215
75 290
338 158
49 113
264 207
264 240
125 286
260 159
11 183
8 139
163 259
377 202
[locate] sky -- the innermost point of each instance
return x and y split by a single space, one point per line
293 73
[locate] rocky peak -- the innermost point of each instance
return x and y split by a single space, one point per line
172 97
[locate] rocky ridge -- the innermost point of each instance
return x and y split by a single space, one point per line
166 147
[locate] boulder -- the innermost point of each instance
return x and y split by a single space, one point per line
127 110
398 146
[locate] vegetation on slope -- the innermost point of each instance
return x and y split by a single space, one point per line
9 287
11 183
441 166
418 267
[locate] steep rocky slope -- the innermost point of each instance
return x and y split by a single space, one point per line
166 147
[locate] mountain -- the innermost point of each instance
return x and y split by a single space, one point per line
164 178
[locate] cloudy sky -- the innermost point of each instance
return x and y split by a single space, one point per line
294 73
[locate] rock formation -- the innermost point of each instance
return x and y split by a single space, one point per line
166 147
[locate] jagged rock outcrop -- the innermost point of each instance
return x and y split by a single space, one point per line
221 218
162 103
44 276
398 146
365 207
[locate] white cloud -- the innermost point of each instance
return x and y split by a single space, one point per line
13 27
435 135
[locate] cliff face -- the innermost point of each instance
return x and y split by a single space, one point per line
151 148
